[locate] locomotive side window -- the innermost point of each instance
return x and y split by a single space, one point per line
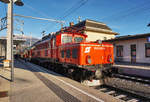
68 53
62 53
74 53
66 39
78 39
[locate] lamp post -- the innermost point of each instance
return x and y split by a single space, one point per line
9 55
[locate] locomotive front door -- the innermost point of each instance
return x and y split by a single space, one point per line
133 53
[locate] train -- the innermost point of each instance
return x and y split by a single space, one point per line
68 52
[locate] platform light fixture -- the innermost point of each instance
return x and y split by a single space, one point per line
5 1
18 2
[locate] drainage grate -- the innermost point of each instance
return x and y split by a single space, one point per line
65 96
3 94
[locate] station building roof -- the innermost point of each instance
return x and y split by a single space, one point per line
91 25
15 41
129 37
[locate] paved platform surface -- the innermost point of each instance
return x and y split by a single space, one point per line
4 83
36 84
142 70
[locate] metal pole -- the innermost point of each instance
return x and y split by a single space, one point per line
10 38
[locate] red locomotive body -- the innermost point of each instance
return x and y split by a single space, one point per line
69 52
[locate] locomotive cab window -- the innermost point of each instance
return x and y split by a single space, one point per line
78 39
66 39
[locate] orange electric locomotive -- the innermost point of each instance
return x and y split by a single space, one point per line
68 52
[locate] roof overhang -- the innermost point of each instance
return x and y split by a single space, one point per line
15 41
100 30
129 37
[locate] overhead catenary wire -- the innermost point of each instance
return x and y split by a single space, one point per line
74 8
128 12
71 10
53 20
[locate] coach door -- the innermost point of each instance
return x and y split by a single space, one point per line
133 53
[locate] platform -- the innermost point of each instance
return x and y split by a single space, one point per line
142 70
36 84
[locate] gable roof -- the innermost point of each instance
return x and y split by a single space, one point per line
91 25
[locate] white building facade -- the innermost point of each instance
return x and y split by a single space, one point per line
96 30
134 48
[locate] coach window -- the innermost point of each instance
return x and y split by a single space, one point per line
46 52
54 42
49 44
32 53
62 53
39 53
119 52
68 53
147 49
74 53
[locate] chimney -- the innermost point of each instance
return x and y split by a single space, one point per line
71 24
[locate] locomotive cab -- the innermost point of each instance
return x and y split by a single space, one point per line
72 38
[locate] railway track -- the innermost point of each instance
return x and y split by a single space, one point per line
121 94
133 78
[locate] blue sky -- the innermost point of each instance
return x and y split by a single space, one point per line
126 17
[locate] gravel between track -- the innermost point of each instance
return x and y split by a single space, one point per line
130 86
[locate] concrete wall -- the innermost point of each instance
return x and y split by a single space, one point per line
93 36
140 50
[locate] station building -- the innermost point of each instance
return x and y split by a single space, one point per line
95 30
132 48
16 46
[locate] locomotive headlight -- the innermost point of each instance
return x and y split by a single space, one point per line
88 59
109 58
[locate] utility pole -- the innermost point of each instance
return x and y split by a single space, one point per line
9 51
10 61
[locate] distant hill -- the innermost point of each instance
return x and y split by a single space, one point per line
29 39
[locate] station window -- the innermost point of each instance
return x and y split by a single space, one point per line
147 49
62 54
105 38
68 53
119 51
74 53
